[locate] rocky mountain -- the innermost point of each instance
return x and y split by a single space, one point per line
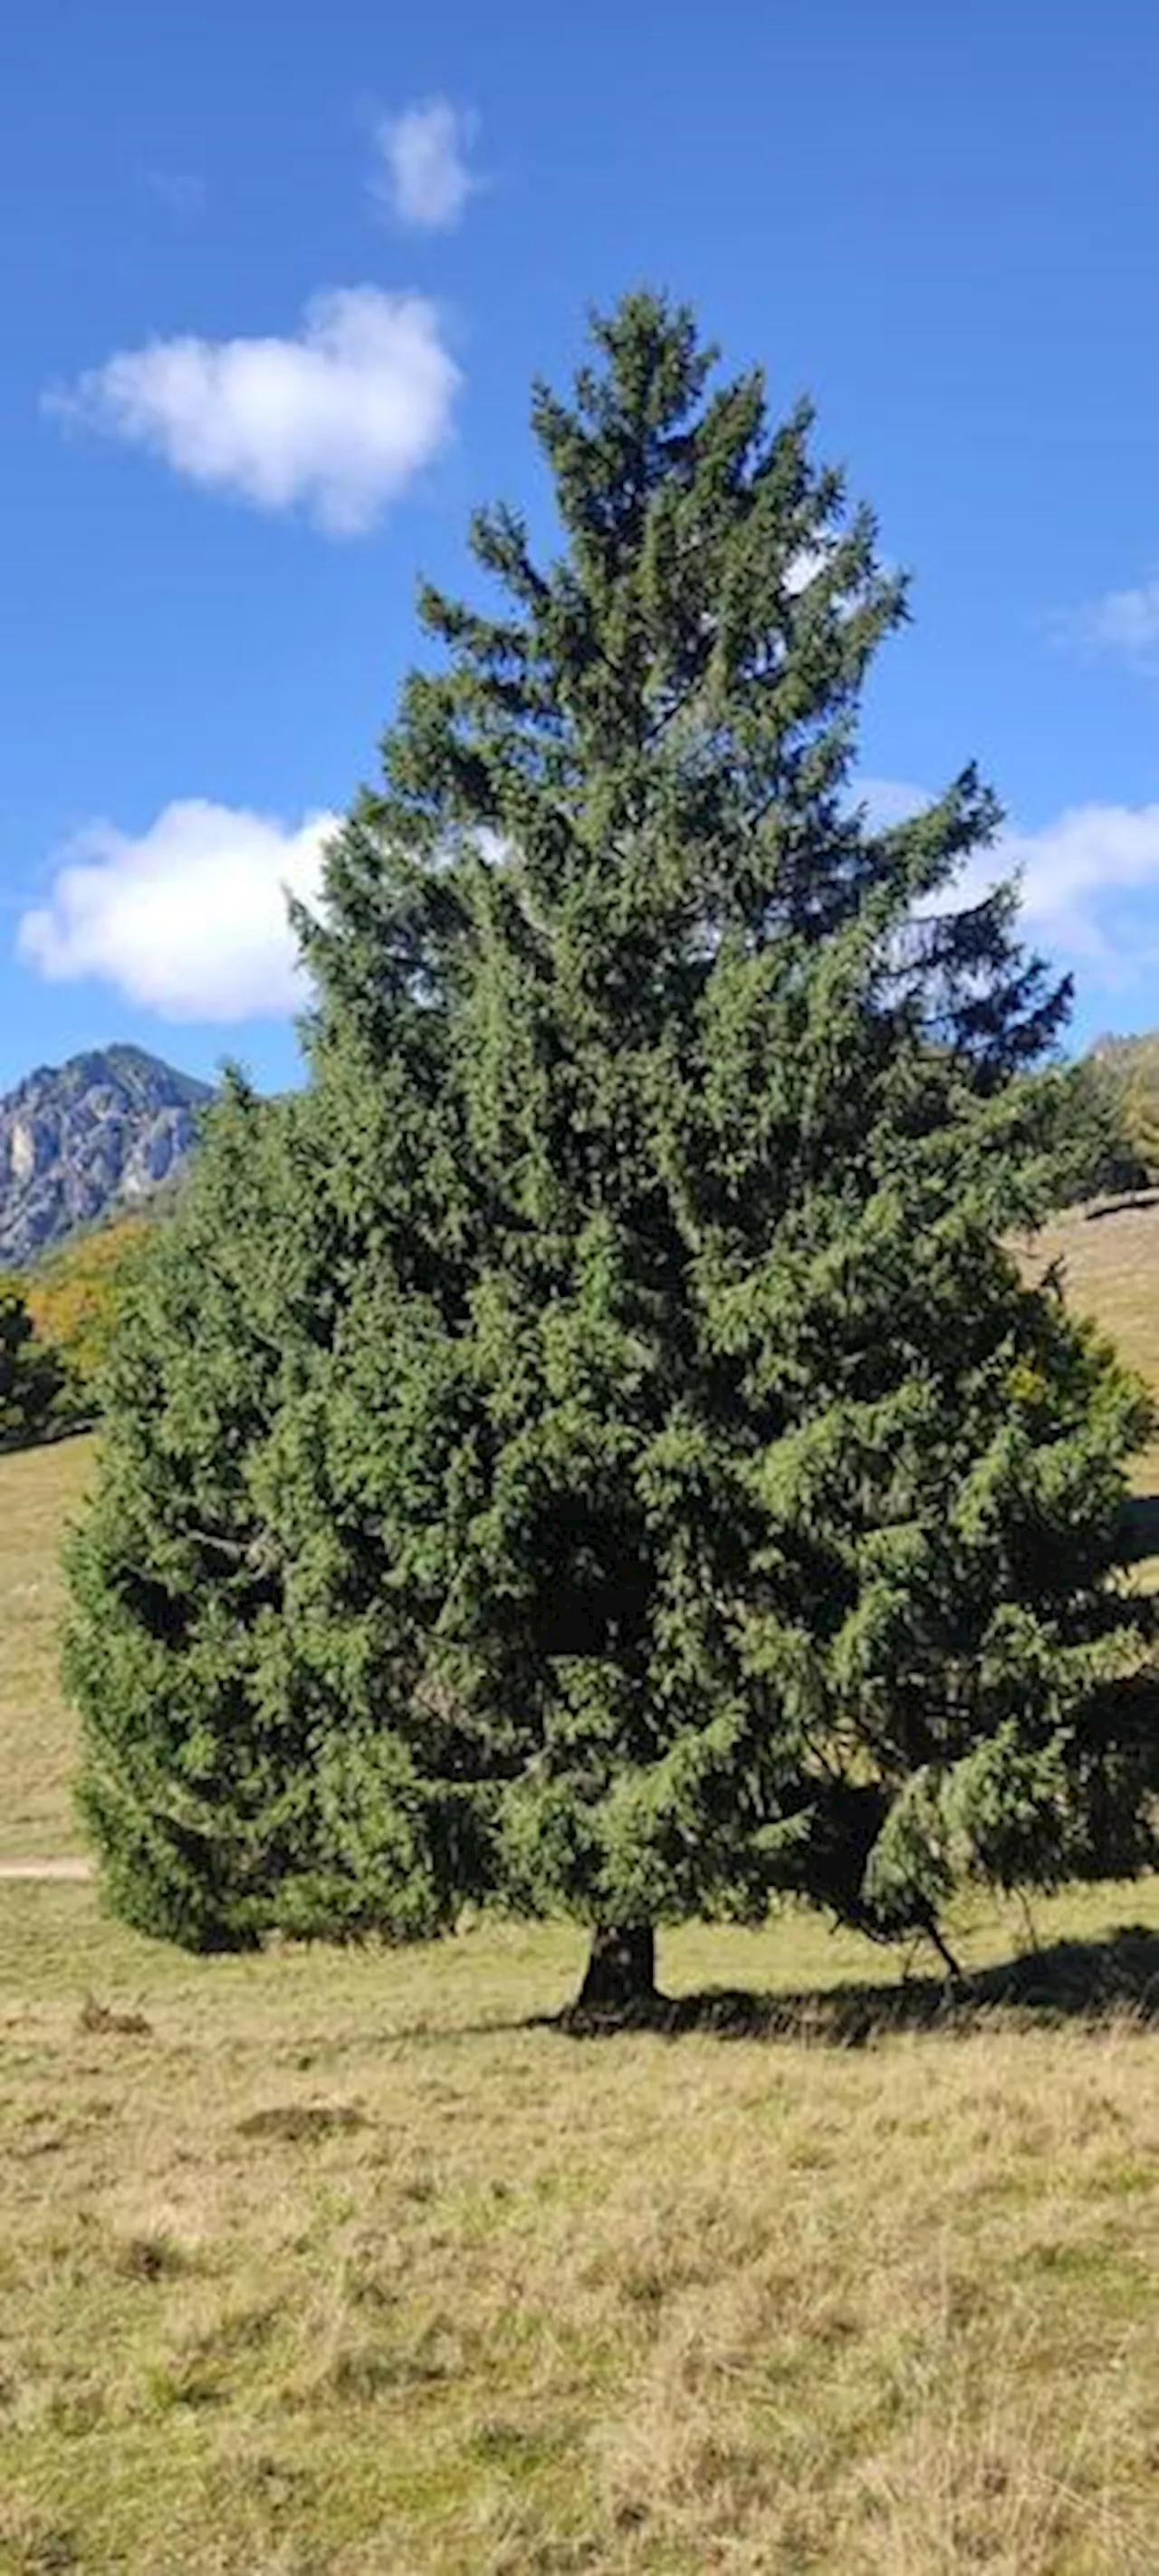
81 1139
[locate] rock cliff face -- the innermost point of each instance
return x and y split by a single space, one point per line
78 1140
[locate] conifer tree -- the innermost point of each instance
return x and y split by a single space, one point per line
32 1374
592 1450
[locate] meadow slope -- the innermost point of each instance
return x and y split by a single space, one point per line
40 1489
1110 1265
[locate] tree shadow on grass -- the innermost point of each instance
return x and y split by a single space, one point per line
1141 1515
1070 1981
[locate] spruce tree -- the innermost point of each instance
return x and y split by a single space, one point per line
592 1451
32 1375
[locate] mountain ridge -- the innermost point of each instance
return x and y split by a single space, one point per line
88 1138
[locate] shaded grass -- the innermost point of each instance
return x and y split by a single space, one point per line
1064 1980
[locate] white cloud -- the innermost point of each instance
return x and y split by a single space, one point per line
1090 886
190 919
1089 879
424 177
338 419
1122 621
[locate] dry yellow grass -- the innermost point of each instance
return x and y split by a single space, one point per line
318 2263
1110 1264
350 2265
1111 1267
39 1489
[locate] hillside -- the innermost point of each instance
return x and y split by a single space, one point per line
81 1140
40 1490
1110 1267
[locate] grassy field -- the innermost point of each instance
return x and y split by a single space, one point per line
39 1489
316 2263
326 2265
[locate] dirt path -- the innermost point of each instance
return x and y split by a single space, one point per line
73 1868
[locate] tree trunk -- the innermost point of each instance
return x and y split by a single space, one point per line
621 1970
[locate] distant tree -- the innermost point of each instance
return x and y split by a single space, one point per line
75 1294
1122 1077
32 1375
592 1450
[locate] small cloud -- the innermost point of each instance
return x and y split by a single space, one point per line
1122 621
181 190
190 918
423 175
337 420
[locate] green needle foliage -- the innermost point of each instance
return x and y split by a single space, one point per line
592 1450
32 1375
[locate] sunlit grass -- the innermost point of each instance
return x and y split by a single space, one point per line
1110 1265
39 1489
351 2262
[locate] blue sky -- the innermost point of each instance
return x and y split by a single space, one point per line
275 282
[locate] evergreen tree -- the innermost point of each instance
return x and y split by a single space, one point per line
32 1375
592 1450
